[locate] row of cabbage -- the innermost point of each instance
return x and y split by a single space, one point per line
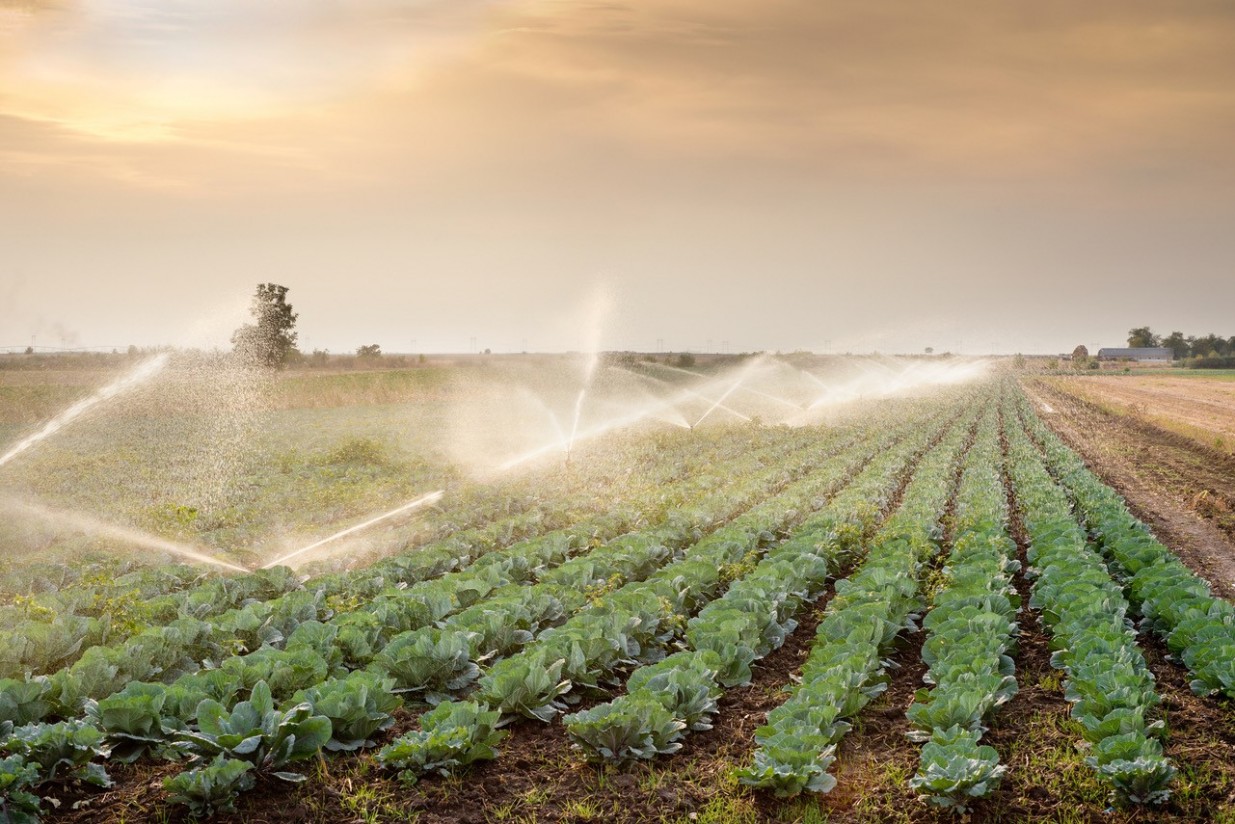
160 720
667 700
45 632
1106 678
184 645
643 623
1174 602
970 635
284 631
845 668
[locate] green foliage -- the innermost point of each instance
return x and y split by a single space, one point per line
256 732
845 670
431 661
790 763
135 722
956 769
528 686
629 728
1135 767
272 338
1142 337
211 788
452 735
68 744
358 451
358 706
17 804
24 702
1107 679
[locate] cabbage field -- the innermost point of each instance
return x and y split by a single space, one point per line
927 609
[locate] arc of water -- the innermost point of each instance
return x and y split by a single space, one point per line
407 507
742 376
144 371
97 526
686 390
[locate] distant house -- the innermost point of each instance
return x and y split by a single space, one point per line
1154 354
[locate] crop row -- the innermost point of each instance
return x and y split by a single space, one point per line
49 631
224 600
970 631
668 699
1174 602
845 670
1106 677
154 719
641 623
302 621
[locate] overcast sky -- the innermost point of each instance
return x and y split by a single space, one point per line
774 174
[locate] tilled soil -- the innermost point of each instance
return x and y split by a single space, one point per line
1183 491
1204 408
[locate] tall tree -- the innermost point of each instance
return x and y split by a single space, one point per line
270 340
1142 337
1178 345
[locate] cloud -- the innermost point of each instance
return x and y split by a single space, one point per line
1107 94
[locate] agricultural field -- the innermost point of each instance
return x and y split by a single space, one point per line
754 590
1176 477
1197 404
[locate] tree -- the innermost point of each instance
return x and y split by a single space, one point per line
272 339
1142 337
1207 345
372 351
1178 345
1080 354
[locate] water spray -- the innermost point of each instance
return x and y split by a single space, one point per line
144 371
86 523
423 500
733 388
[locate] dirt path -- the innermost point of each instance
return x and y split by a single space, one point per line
1184 492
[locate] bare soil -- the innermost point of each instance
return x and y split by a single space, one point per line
1184 491
1199 407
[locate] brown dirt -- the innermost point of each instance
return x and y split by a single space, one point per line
1182 490
1201 408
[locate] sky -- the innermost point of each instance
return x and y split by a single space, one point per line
450 175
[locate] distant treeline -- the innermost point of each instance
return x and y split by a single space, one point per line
1205 352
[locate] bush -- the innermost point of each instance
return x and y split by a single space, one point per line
1211 362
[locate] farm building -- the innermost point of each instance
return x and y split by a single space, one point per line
1149 353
